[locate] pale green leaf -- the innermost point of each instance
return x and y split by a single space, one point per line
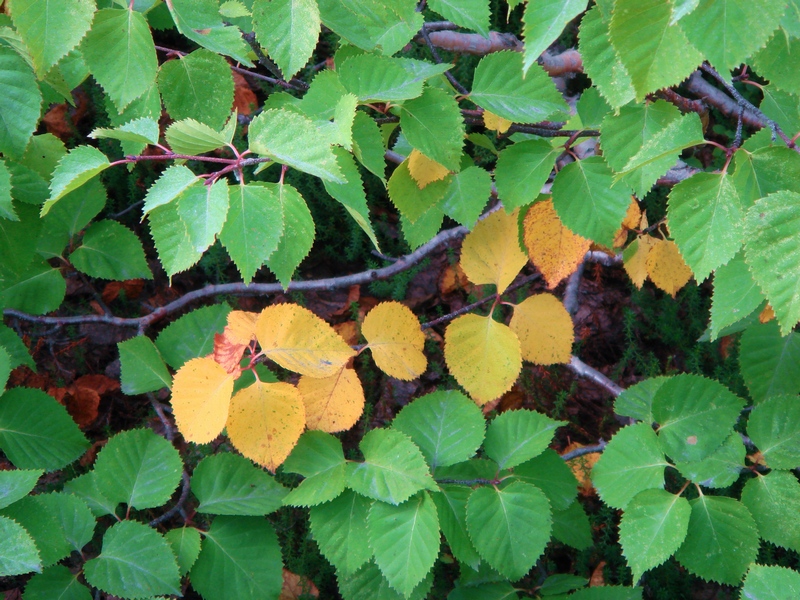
340 530
288 29
601 61
56 581
203 210
423 229
297 238
776 62
735 296
550 473
770 583
201 22
369 24
318 457
522 169
368 145
791 19
379 78
451 507
192 137
720 469
72 171
433 125
470 14
110 250
516 436
411 201
185 544
466 195
18 553
544 22
768 362
769 498
142 131
16 484
172 183
765 170
652 528
774 427
171 238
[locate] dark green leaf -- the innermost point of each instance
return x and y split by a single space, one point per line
185 543
192 335
550 473
42 526
340 530
229 484
21 97
110 250
56 582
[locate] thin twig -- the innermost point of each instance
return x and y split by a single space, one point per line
571 291
583 451
453 81
580 368
720 100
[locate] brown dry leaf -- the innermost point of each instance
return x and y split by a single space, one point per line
545 330
632 219
757 458
597 579
666 267
353 296
132 288
82 397
201 395
332 403
228 354
294 586
396 341
99 383
491 253
244 98
241 327
552 248
726 345
348 330
582 468
425 170
58 122
452 279
495 123
635 258
766 315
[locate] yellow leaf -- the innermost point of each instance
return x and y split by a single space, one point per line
635 258
553 248
544 329
300 341
425 170
631 221
332 403
201 394
766 315
491 253
265 422
396 340
666 267
483 355
495 123
241 328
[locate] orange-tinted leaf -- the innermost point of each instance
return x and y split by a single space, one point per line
241 328
452 279
552 248
495 123
666 267
425 170
635 259
201 395
483 355
544 329
265 422
300 341
396 340
631 221
348 332
295 586
228 354
491 253
766 315
244 98
332 403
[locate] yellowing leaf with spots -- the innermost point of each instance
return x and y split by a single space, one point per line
635 258
483 355
666 267
265 422
631 220
544 329
300 341
552 248
425 170
495 123
491 253
396 340
241 326
201 395
332 403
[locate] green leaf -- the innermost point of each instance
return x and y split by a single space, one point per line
636 401
592 107
201 22
768 362
393 470
110 250
631 462
143 369
294 140
142 131
42 526
379 78
18 553
499 87
172 183
340 530
769 498
368 145
509 526
192 137
501 590
197 86
736 295
38 290
705 219
722 540
550 473
601 61
571 527
21 97
5 368
203 210
424 228
405 540
16 484
192 335
16 348
470 14
253 226
767 169
318 457
720 469
652 529
782 107
770 583
229 484
467 195
185 544
139 468
517 436
522 169
36 432
446 425
655 53
6 205
119 52
612 592
297 238
51 28
772 250
85 488
136 562
368 24
432 123
451 508
774 62
774 427
368 583
411 201
288 29
75 169
544 22
73 516
561 584
587 203
56 582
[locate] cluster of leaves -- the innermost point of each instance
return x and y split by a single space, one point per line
378 521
